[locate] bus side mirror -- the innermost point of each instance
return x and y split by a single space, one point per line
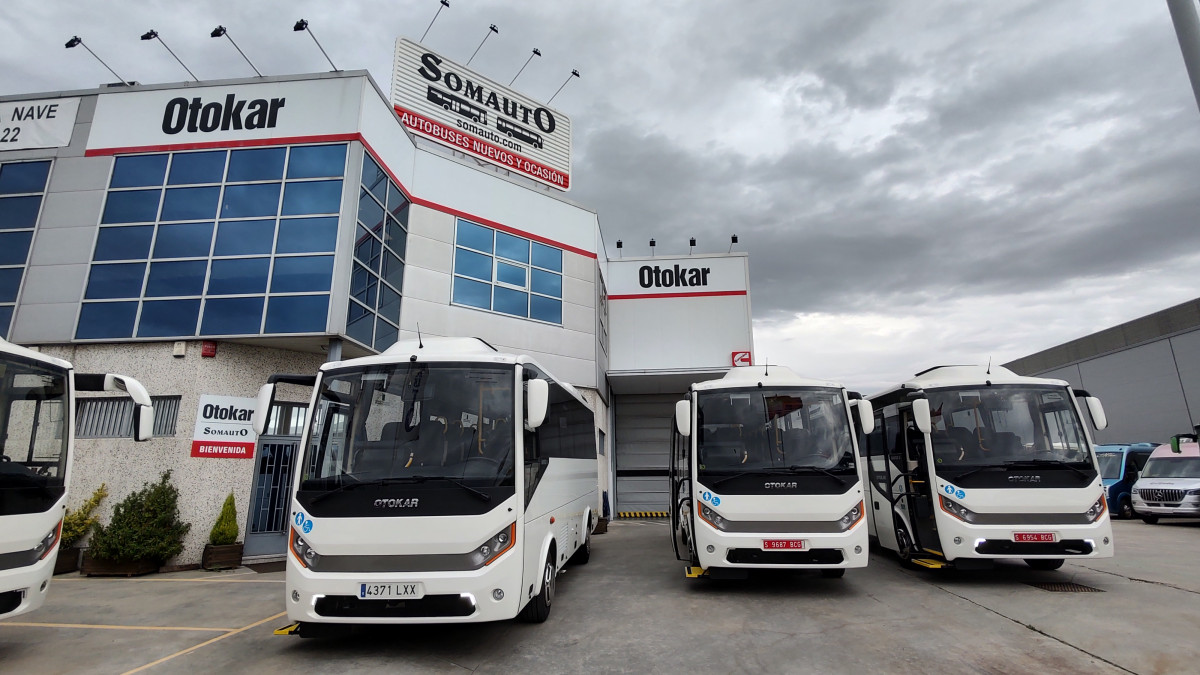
537 402
1096 409
262 407
920 413
866 415
143 408
143 422
683 417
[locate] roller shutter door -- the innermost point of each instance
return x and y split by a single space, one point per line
643 438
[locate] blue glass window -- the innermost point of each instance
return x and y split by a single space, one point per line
545 309
472 293
373 178
363 285
21 177
106 320
244 237
5 321
471 264
197 167
122 280
131 206
186 240
168 318
370 213
317 161
389 304
19 212
307 235
138 171
239 276
185 277
547 257
14 247
256 164
397 238
232 316
248 201
510 302
297 314
513 248
124 243
385 335
10 282
360 324
297 275
393 271
546 283
474 236
367 249
319 196
196 203
510 274
396 201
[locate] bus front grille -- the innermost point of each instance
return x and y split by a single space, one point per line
754 556
428 606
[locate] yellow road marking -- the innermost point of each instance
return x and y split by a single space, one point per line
204 644
30 624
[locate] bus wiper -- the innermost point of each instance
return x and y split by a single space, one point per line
1038 463
777 470
483 496
742 474
977 469
350 486
814 469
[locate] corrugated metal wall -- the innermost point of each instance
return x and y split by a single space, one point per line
643 437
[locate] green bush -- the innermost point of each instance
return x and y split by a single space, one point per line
225 530
77 523
144 526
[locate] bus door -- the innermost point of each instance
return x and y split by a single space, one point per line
680 491
899 473
919 484
879 479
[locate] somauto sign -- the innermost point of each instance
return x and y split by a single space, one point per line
45 123
451 105
224 427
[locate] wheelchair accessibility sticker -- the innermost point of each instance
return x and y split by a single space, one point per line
954 492
711 498
305 524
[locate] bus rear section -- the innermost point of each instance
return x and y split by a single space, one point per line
440 483
764 474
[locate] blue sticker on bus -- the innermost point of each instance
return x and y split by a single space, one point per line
716 501
960 494
299 518
307 526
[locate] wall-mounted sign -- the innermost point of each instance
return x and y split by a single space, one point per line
45 123
740 358
224 427
677 277
443 101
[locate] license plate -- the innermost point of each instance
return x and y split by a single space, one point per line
783 544
396 591
1035 536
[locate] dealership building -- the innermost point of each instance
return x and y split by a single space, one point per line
202 236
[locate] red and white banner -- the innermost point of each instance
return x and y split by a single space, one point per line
224 427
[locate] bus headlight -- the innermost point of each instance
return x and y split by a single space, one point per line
46 545
712 517
957 510
493 548
305 555
1097 509
851 518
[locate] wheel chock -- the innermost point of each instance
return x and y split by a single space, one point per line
290 629
693 572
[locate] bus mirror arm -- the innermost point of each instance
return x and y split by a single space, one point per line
683 417
920 413
537 402
262 407
143 407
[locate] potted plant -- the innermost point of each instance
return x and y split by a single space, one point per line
223 550
75 525
145 530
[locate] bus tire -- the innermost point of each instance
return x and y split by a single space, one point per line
584 553
835 573
538 608
1044 564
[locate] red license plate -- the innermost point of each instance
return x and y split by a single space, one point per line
1034 536
783 544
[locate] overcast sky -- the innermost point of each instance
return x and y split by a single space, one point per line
917 182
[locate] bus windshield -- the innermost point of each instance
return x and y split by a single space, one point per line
1172 467
781 430
33 426
1005 424
1110 464
440 425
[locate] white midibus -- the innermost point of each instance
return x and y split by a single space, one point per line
441 481
764 474
967 465
37 432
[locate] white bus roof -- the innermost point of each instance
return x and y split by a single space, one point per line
967 376
768 376
18 350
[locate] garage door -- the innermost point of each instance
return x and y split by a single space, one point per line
643 437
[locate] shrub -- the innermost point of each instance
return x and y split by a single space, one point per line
225 530
77 523
145 526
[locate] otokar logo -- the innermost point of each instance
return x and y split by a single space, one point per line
779 485
671 277
233 113
1024 479
409 503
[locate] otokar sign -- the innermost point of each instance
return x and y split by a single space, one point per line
443 101
224 427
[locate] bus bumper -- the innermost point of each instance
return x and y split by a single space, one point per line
751 550
964 540
23 589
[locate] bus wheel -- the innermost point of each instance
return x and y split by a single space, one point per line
1044 564
584 553
837 573
538 609
1125 509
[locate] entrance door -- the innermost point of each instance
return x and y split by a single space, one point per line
275 462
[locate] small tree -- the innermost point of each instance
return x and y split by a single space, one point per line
225 530
145 526
77 523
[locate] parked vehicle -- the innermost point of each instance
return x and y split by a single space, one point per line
1169 486
1120 464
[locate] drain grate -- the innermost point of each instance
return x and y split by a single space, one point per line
1063 587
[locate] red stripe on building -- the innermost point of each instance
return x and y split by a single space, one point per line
701 294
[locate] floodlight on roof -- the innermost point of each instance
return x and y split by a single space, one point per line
77 41
153 35
302 25
220 31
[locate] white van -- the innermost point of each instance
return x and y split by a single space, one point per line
1169 485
